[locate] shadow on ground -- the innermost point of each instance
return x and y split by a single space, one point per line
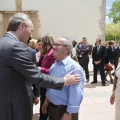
99 83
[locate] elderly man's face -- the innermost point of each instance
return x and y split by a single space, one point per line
25 31
60 50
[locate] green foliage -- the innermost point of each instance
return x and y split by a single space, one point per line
113 29
113 32
109 37
115 12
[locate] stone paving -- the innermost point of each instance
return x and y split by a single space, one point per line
95 105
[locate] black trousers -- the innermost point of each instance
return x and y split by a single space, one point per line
42 98
55 112
31 104
99 67
84 65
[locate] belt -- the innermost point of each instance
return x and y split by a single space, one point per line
57 105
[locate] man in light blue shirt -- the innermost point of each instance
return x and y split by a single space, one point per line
65 103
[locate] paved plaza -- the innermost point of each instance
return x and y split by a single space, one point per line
95 105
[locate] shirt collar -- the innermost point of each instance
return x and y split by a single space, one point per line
64 61
13 35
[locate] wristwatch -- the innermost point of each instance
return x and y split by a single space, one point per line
69 113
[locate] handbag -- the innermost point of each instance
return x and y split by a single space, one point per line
109 67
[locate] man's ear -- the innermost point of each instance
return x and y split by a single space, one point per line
67 49
21 26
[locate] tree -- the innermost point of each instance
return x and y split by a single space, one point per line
113 32
115 12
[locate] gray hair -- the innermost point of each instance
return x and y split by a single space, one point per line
68 43
16 19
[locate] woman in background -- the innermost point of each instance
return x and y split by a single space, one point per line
109 59
39 47
73 52
46 60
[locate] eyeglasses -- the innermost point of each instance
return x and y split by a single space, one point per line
57 44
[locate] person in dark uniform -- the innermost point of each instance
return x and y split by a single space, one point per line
110 53
116 56
16 67
83 56
98 56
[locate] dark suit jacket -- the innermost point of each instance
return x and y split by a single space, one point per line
84 51
32 89
35 91
116 56
99 56
110 54
117 53
15 67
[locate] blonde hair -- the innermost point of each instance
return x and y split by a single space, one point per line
32 43
111 42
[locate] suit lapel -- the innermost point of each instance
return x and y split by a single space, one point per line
85 46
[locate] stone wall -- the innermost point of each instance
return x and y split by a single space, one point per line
4 20
102 21
71 18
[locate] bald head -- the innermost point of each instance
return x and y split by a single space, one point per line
67 42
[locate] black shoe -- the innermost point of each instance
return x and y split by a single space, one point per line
93 82
87 80
106 80
103 84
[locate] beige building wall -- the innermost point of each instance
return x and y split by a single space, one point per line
70 18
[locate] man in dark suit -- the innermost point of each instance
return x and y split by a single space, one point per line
98 56
83 56
16 67
32 89
116 55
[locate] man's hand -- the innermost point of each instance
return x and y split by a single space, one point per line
99 61
44 106
96 62
71 79
112 98
36 100
66 116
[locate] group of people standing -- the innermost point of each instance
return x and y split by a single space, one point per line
103 56
19 72
54 59
24 70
